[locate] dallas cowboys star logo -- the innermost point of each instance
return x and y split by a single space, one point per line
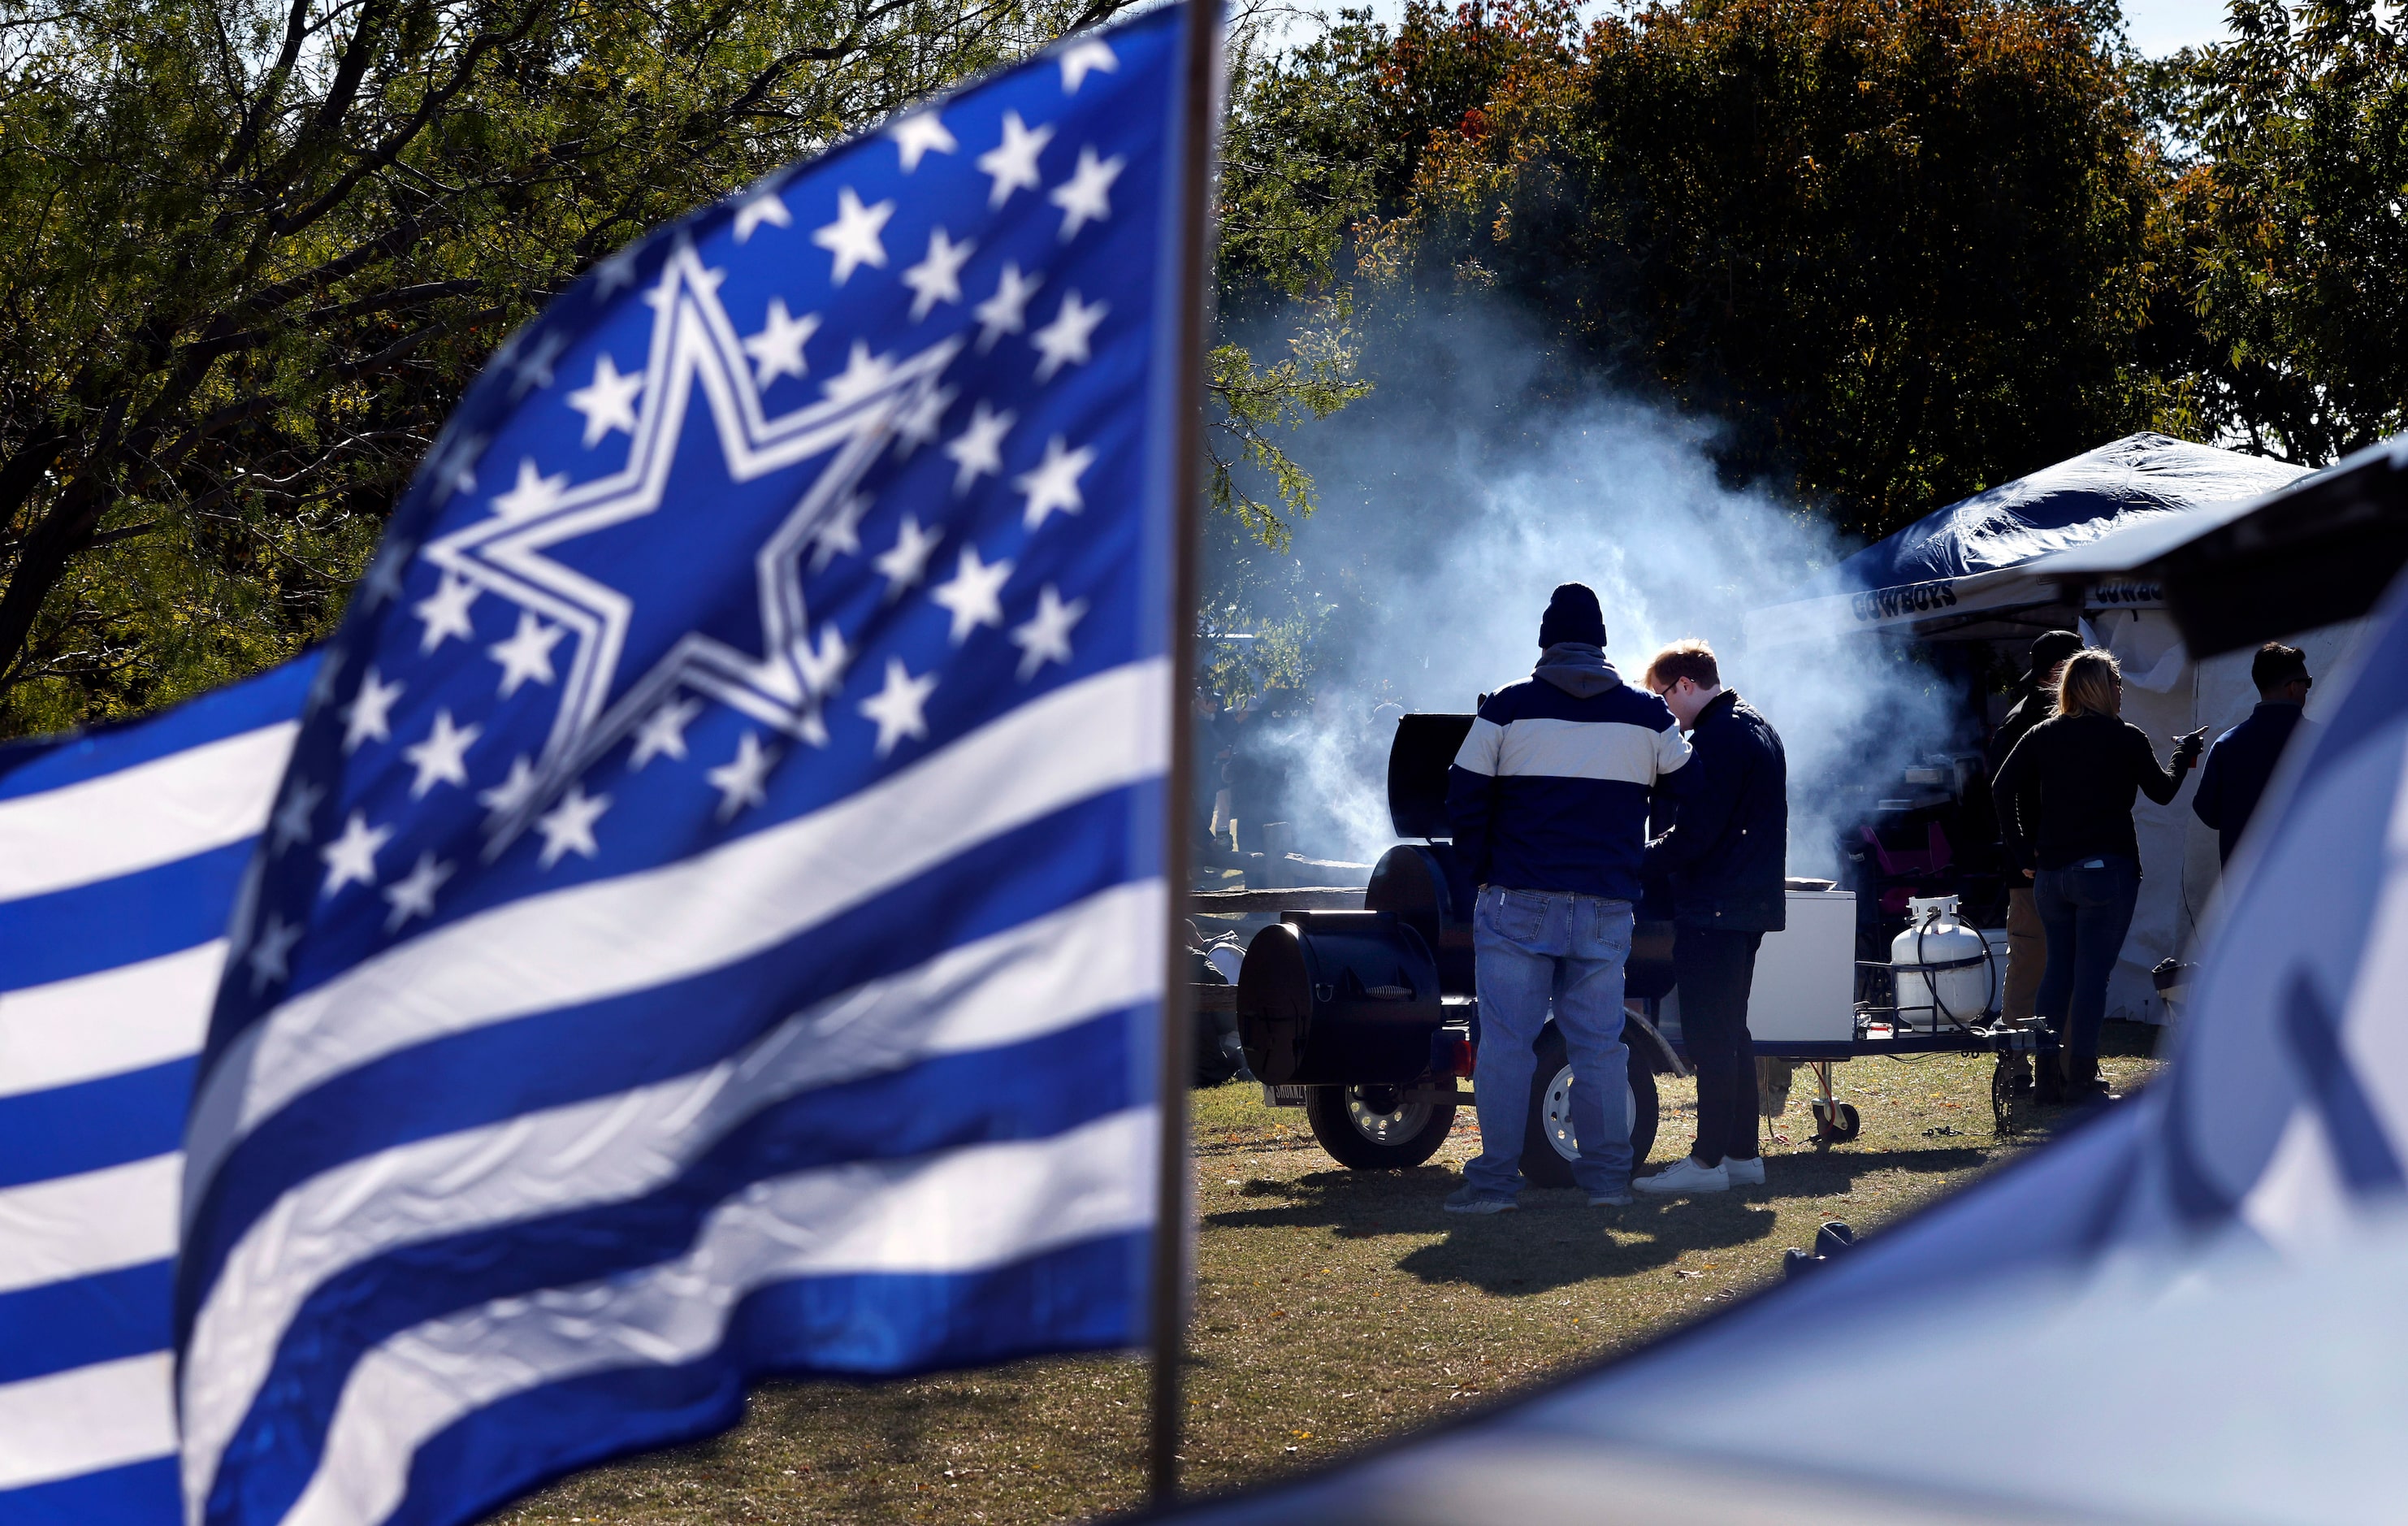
516 551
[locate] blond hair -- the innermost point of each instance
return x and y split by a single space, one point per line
1689 658
2092 683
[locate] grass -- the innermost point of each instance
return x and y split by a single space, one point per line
1334 1308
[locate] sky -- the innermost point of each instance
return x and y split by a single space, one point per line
2157 27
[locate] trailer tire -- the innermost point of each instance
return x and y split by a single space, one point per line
1548 1145
1361 1139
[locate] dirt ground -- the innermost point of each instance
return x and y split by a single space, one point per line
1334 1308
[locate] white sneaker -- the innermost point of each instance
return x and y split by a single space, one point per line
1684 1177
1748 1172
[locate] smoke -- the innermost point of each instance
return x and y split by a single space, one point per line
1454 503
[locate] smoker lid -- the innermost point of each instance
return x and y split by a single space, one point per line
1417 765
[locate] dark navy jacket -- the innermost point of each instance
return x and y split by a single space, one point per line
1550 790
1729 844
2237 769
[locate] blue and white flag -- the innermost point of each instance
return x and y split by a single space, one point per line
120 856
713 923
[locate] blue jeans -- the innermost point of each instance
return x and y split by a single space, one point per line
1536 946
2086 909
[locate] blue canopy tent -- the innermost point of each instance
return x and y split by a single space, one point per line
1980 567
2187 1310
2025 556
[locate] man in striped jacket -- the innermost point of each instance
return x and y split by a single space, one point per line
1549 800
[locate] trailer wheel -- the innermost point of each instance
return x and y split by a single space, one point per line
1548 1144
1361 1135
1837 1126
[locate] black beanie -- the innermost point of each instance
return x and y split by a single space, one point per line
2048 649
1572 616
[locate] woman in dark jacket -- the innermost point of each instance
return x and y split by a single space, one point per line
2065 808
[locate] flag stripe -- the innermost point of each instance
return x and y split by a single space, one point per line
961 1212
625 934
578 1053
872 1323
939 1106
99 1416
1100 956
107 1023
100 1317
98 1221
97 927
71 1130
139 817
140 1493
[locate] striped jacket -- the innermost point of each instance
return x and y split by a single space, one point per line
1550 790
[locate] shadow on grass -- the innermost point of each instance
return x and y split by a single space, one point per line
1556 1239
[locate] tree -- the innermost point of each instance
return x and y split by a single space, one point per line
1899 247
2292 284
252 254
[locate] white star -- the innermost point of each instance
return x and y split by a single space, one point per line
778 350
762 206
455 466
446 612
1012 163
1047 637
527 654
271 954
1079 59
739 780
921 132
1086 196
702 282
937 278
293 816
1007 310
978 450
608 403
1054 482
383 581
321 688
972 593
535 368
905 563
532 494
443 756
839 534
920 424
369 715
568 827
863 375
1064 339
897 708
352 856
616 271
853 237
664 732
513 792
413 894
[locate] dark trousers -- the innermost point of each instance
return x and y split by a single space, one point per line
2086 911
1714 970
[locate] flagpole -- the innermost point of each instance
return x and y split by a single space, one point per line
1167 1315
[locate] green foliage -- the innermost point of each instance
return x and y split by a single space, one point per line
1899 248
251 256
2292 270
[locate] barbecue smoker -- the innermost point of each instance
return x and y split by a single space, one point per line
1366 1019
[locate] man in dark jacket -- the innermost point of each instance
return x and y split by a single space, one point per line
1723 855
2243 758
1549 799
2026 942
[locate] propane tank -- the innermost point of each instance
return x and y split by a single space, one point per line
1941 969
